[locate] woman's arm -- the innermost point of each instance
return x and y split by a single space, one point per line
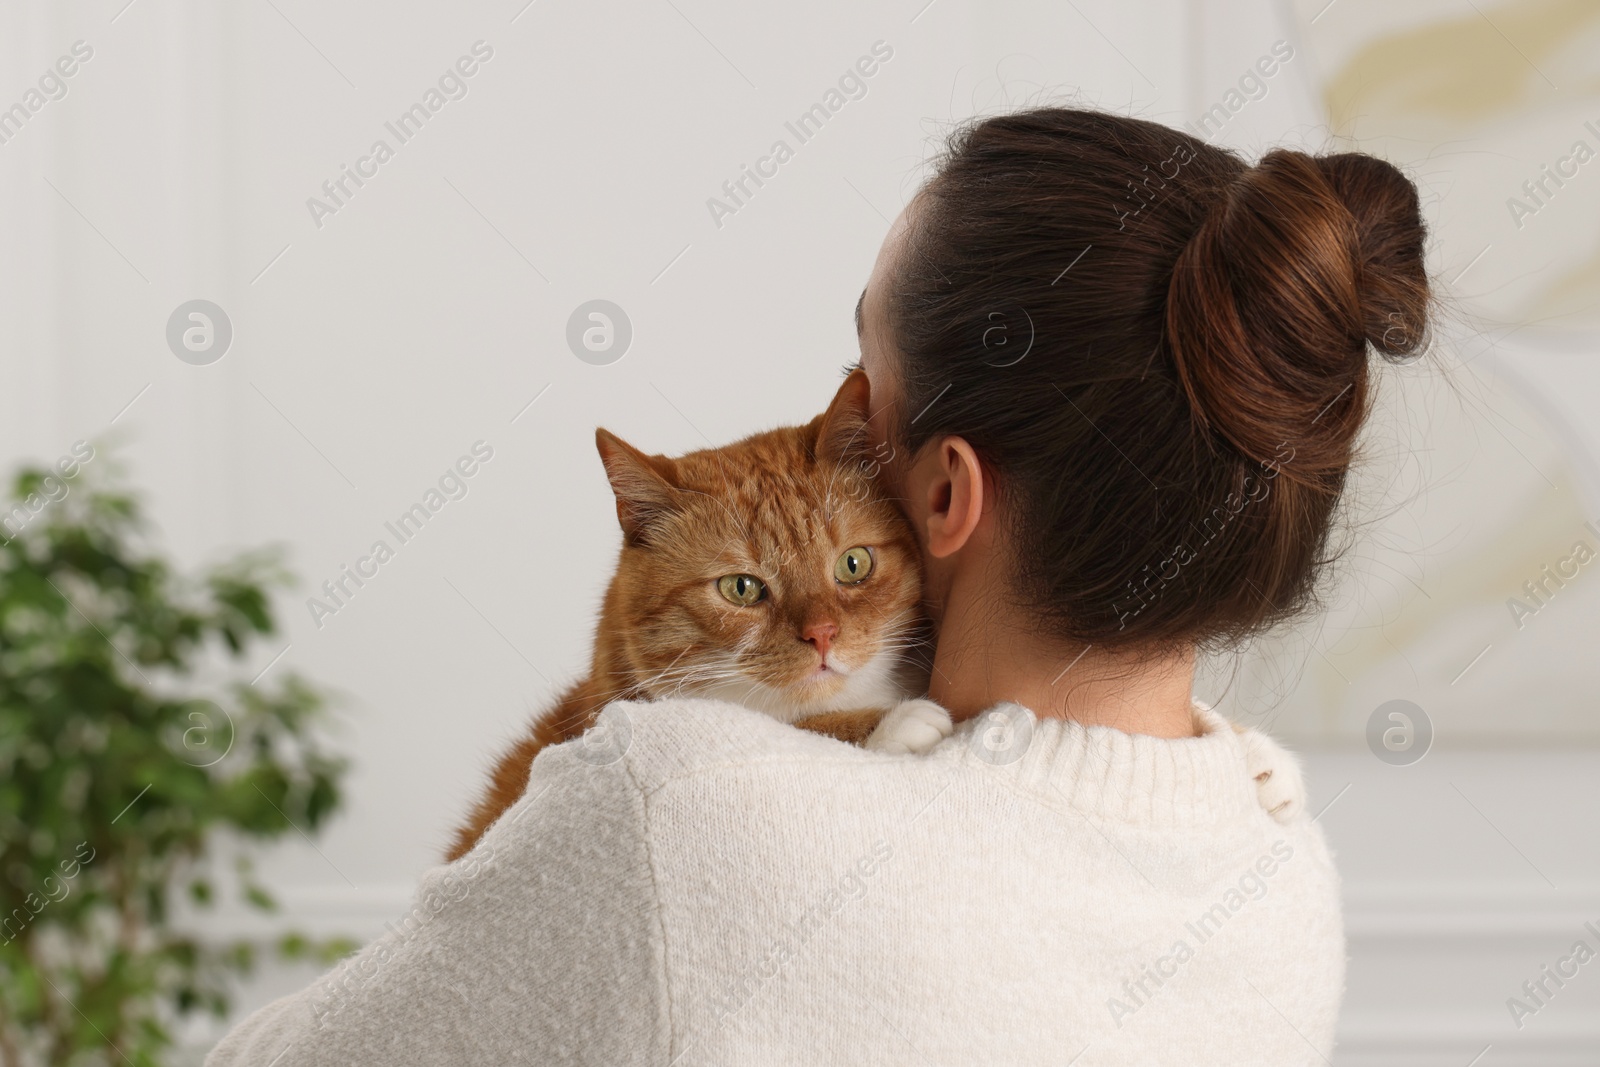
540 945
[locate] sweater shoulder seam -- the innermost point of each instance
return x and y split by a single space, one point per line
664 972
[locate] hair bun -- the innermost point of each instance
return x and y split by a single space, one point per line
1389 235
1299 265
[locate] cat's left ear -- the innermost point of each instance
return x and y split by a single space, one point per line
644 493
842 429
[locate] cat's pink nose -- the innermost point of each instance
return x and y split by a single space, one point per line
821 635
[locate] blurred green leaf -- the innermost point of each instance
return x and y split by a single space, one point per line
118 770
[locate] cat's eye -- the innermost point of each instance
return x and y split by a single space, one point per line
742 589
853 566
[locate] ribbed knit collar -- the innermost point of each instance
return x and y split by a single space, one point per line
1106 773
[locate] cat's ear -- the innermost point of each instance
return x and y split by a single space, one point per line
641 482
842 429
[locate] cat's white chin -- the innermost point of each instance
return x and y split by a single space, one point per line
874 684
828 672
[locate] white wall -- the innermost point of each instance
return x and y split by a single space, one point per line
372 351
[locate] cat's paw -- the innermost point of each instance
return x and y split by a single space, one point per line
1280 785
912 727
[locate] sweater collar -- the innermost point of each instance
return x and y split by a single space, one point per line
1105 773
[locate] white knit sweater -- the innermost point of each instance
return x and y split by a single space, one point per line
717 888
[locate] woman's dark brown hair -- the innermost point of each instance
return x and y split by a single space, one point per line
1161 353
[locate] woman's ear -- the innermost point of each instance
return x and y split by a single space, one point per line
642 484
947 486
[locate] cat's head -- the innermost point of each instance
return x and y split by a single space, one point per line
772 572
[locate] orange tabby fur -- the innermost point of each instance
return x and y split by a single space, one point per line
781 505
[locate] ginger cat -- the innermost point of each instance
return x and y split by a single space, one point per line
772 573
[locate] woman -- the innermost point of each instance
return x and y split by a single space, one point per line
1123 372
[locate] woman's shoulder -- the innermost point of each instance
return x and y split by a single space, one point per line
662 740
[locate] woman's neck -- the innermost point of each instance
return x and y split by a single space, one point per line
989 652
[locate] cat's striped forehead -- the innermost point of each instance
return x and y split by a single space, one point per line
767 495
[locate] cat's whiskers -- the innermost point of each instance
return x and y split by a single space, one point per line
696 672
679 680
653 681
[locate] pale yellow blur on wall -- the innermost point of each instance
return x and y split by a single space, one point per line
1518 81
1479 466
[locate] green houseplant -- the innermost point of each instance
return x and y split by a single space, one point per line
123 761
